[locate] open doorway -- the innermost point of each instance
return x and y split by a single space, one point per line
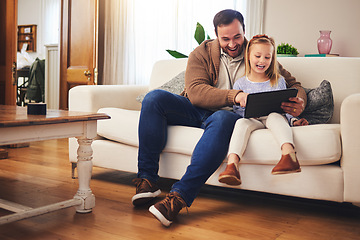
43 17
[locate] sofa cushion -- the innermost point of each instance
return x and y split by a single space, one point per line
315 144
320 104
175 85
123 127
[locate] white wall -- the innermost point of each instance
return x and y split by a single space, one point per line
29 12
292 21
298 22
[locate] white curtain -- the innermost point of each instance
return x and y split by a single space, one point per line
254 20
138 32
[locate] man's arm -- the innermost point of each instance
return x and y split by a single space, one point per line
200 76
297 104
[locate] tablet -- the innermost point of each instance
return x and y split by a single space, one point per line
264 103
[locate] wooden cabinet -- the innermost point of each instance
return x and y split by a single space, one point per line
27 35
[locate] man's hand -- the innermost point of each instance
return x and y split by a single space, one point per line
241 98
295 107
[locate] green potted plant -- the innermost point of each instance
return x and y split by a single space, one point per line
286 50
199 37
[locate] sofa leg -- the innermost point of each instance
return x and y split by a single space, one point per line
73 170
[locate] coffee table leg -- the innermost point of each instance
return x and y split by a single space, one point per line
84 166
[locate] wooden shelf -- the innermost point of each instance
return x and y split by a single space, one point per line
27 35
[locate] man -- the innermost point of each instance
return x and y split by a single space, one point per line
206 103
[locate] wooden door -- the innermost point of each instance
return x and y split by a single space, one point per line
78 52
8 43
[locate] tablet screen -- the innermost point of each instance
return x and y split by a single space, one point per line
264 103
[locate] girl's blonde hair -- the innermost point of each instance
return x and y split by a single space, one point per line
273 71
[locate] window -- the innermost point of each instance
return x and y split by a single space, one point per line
138 32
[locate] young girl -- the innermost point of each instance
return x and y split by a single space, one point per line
261 75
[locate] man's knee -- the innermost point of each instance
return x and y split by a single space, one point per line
155 96
224 118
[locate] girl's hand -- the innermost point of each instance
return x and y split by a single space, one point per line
241 99
301 122
295 107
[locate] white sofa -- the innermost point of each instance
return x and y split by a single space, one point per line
329 154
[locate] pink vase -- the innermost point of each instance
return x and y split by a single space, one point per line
324 42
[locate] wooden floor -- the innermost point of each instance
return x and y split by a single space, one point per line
40 174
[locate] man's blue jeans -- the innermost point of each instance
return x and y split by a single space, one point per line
160 109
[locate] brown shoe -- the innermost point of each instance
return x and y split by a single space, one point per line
145 191
166 210
287 164
230 175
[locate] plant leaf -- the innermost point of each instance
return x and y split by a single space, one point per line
287 49
199 33
176 54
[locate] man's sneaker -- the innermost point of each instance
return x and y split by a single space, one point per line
145 191
166 210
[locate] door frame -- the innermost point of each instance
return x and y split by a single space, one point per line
66 80
9 68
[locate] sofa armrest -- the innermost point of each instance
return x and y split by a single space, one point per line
350 136
90 98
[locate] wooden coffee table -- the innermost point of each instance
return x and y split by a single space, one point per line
16 126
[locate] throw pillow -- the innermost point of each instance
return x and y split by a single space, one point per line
320 104
175 85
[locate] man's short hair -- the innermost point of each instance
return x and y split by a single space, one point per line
226 17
